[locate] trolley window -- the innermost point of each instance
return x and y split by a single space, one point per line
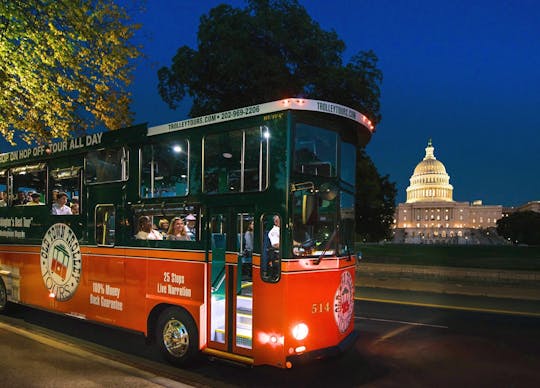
165 169
106 165
236 161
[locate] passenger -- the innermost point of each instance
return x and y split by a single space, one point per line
36 200
163 227
75 208
273 235
190 227
21 199
177 230
3 199
60 208
248 238
145 230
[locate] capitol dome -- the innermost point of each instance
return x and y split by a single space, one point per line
430 182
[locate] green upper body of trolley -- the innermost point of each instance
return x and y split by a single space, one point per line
294 158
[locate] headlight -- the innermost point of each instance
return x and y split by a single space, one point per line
300 331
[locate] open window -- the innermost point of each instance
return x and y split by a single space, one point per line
105 216
271 248
67 180
28 180
3 188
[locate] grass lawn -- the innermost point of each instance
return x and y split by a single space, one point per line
470 256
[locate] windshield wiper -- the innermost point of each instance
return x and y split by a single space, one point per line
318 260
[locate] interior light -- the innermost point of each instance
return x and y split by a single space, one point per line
177 149
266 134
226 155
300 331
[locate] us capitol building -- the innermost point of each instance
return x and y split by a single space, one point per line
431 216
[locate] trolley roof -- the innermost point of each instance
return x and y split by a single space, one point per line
265 108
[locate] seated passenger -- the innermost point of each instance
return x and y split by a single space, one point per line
145 230
3 199
177 230
163 227
191 230
20 200
60 207
36 197
75 208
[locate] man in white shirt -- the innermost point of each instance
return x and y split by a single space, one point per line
60 207
145 230
273 235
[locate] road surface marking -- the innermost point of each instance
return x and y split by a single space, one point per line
393 333
402 322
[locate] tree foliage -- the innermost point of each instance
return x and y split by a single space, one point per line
64 67
375 201
520 227
270 50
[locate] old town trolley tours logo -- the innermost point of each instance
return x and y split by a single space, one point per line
344 302
60 260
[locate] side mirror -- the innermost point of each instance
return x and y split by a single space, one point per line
310 209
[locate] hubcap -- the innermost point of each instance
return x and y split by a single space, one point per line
176 338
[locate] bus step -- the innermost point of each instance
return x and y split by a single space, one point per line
244 319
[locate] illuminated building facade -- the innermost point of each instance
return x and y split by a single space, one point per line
431 216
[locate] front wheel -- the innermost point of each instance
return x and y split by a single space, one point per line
177 336
3 296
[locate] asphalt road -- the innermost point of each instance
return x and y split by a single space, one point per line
400 345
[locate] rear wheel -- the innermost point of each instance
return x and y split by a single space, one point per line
3 296
177 336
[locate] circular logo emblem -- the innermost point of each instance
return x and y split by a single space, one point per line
60 261
344 302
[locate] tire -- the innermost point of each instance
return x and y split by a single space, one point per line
4 304
177 336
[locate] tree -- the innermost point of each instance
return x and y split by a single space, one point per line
270 50
375 201
64 67
520 227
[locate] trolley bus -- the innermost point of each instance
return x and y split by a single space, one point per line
257 265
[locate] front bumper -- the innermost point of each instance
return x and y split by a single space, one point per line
332 351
